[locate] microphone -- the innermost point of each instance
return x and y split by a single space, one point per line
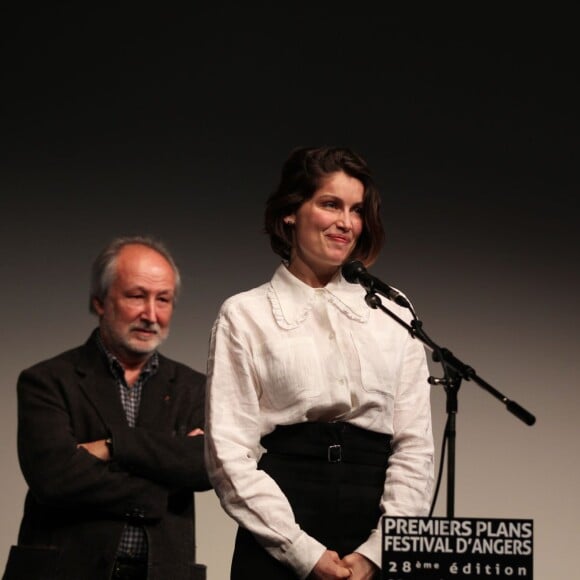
355 272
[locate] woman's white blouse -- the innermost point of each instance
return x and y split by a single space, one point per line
286 353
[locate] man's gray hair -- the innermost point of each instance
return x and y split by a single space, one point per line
103 269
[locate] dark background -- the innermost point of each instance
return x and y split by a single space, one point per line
175 122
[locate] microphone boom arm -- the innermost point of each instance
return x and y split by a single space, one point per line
454 371
447 359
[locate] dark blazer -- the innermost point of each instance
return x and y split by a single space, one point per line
77 505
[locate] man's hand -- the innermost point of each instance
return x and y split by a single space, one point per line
97 448
195 432
361 568
329 567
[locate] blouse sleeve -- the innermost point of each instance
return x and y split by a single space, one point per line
232 446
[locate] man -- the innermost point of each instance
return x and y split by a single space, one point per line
110 439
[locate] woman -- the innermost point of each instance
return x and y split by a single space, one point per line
318 418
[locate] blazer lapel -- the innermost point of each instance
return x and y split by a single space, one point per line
99 385
102 390
157 396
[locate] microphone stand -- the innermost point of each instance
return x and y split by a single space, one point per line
454 372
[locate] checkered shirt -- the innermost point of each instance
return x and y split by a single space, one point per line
133 542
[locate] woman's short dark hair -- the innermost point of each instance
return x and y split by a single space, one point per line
302 174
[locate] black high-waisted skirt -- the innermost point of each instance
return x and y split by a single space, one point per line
333 475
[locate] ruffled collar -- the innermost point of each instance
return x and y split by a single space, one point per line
292 300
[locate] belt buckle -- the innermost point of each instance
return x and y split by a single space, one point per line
334 454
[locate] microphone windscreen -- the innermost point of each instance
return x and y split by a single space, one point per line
352 270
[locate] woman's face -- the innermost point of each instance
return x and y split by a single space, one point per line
326 229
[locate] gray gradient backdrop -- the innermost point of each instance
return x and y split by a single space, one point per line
175 124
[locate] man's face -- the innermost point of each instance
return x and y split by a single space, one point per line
136 312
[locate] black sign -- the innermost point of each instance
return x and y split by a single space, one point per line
452 548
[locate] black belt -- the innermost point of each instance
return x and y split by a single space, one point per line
330 442
128 569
